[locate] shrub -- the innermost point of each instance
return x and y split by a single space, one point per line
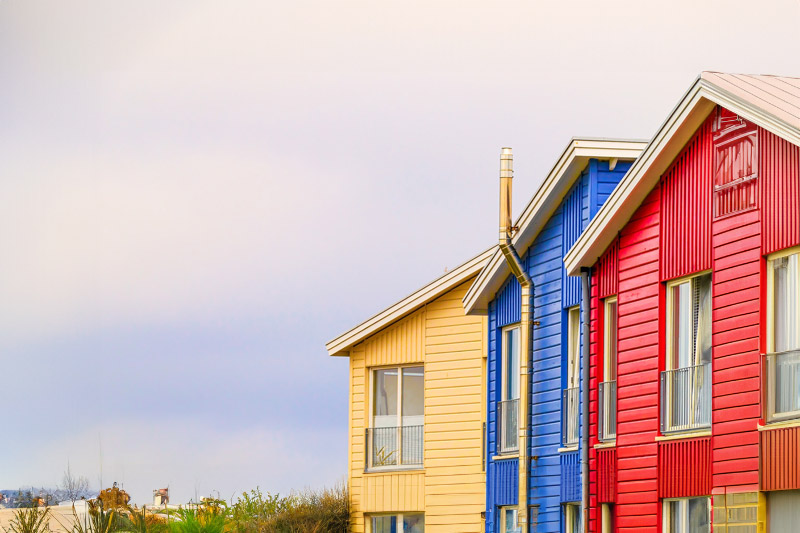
30 520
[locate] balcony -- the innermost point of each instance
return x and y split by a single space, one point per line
608 411
686 398
571 409
782 385
395 447
508 426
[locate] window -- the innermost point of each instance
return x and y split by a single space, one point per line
606 518
783 508
398 523
572 518
608 387
783 339
396 436
686 515
508 520
686 382
508 406
571 401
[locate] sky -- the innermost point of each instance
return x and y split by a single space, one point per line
195 196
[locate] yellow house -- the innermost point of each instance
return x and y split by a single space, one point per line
417 411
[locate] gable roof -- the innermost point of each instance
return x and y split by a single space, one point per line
342 344
771 102
542 206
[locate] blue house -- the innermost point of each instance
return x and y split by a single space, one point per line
540 358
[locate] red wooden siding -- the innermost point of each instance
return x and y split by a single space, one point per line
684 468
780 459
638 369
780 189
594 378
606 475
735 164
736 311
686 208
608 270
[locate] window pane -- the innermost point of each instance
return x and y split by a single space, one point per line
384 524
701 318
573 345
681 326
511 370
785 316
698 515
610 370
510 520
413 396
413 523
385 398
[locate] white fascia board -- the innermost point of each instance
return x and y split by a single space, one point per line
541 207
341 344
646 172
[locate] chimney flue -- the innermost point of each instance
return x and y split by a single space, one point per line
506 174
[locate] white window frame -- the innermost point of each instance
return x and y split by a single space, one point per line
770 382
399 517
666 519
371 420
668 363
573 347
505 395
572 516
503 511
607 362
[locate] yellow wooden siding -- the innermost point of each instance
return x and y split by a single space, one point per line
451 488
454 413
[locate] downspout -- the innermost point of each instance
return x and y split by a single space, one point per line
585 400
526 318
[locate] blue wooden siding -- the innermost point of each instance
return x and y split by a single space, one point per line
554 477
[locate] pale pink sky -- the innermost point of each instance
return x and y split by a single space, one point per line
196 195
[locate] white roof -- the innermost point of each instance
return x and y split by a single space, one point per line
542 206
771 102
341 344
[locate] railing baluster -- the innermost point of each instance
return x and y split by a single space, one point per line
686 398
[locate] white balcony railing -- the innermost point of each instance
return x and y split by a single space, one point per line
783 385
570 412
508 426
608 411
686 398
395 447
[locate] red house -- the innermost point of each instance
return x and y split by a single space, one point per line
694 264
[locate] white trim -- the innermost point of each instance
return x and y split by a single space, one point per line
342 344
548 196
645 173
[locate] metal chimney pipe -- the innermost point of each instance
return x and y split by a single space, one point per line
517 267
506 175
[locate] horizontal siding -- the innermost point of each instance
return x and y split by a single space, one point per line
638 369
454 383
736 323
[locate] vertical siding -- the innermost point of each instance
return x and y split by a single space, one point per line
454 478
401 343
574 212
686 190
606 475
607 271
736 322
506 490
394 492
684 468
570 477
638 369
780 185
780 459
508 303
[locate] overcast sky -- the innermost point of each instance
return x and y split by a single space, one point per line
195 196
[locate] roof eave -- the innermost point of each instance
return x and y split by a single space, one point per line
676 131
341 345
